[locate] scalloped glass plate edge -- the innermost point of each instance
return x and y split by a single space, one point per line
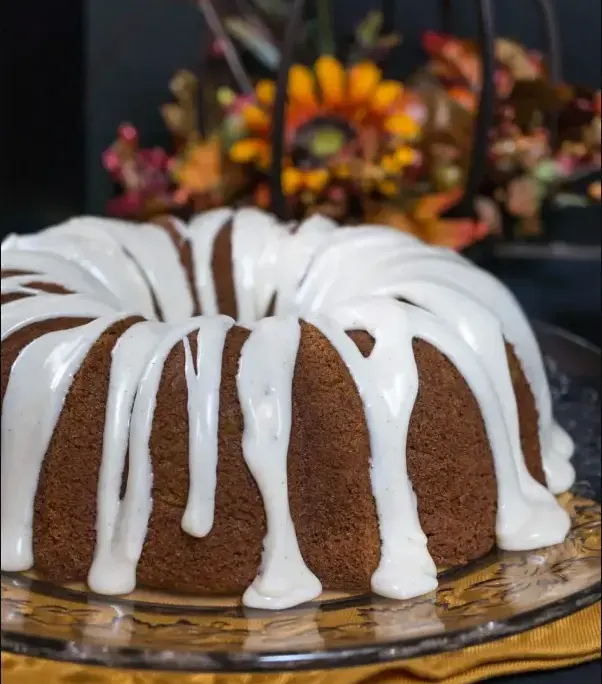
177 661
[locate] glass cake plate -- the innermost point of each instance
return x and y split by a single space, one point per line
502 594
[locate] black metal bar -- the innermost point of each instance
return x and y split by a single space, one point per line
554 55
278 200
476 170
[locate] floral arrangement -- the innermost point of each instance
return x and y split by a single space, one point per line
360 146
528 162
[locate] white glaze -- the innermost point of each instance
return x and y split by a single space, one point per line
296 254
57 270
351 254
155 254
23 312
29 418
203 411
102 259
315 272
254 238
136 506
387 383
129 358
525 519
335 278
264 381
204 230
528 515
483 333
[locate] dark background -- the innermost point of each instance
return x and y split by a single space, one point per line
72 70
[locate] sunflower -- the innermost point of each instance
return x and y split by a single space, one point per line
341 124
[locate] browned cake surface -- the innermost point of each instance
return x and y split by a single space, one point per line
8 272
221 265
185 252
44 287
65 506
226 560
449 460
528 417
329 480
450 464
12 346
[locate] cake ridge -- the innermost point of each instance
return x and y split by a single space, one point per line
462 278
53 357
203 230
129 359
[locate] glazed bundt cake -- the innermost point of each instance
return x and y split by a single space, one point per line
238 406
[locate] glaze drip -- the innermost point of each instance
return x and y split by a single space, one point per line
265 389
203 378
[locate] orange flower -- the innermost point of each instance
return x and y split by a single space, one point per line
453 233
328 106
262 196
431 207
389 214
294 181
332 77
465 98
251 150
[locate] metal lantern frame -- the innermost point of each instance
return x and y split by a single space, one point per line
465 207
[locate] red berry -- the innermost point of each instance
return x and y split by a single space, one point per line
111 161
128 133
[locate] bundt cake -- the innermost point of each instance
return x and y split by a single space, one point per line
237 406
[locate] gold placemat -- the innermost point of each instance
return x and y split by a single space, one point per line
570 641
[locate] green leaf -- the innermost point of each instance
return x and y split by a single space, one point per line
275 8
368 32
540 188
232 130
376 53
565 200
254 40
547 172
